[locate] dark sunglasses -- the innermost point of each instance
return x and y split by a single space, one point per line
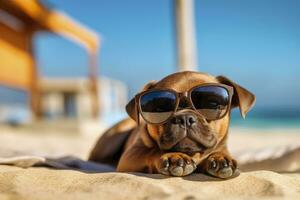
212 101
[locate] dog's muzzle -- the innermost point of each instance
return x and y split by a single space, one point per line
186 132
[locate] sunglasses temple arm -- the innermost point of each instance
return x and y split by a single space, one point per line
137 112
138 117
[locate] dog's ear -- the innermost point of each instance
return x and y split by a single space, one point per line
242 98
131 107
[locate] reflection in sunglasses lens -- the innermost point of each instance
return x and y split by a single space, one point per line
157 106
211 101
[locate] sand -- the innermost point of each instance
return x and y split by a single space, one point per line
42 183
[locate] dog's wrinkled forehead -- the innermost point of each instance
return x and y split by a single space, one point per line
183 81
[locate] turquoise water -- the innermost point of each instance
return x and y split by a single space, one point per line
268 118
266 123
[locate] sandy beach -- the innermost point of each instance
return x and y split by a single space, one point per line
40 183
43 183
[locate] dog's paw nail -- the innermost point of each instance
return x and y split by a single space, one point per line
180 162
165 163
224 164
213 164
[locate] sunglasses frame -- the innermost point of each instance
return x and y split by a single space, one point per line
178 95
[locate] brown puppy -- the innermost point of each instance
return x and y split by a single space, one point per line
184 143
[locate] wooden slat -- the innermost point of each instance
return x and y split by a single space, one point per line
59 23
15 60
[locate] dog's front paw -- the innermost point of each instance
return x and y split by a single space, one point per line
220 165
176 164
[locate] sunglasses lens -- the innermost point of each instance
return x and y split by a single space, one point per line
211 101
157 106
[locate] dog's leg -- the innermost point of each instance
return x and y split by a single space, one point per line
219 164
138 158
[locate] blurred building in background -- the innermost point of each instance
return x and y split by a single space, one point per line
71 98
50 98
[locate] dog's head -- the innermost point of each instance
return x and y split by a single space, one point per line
187 130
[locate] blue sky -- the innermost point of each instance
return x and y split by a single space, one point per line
254 42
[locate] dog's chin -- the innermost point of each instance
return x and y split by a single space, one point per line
186 145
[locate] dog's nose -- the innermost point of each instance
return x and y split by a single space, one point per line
184 120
